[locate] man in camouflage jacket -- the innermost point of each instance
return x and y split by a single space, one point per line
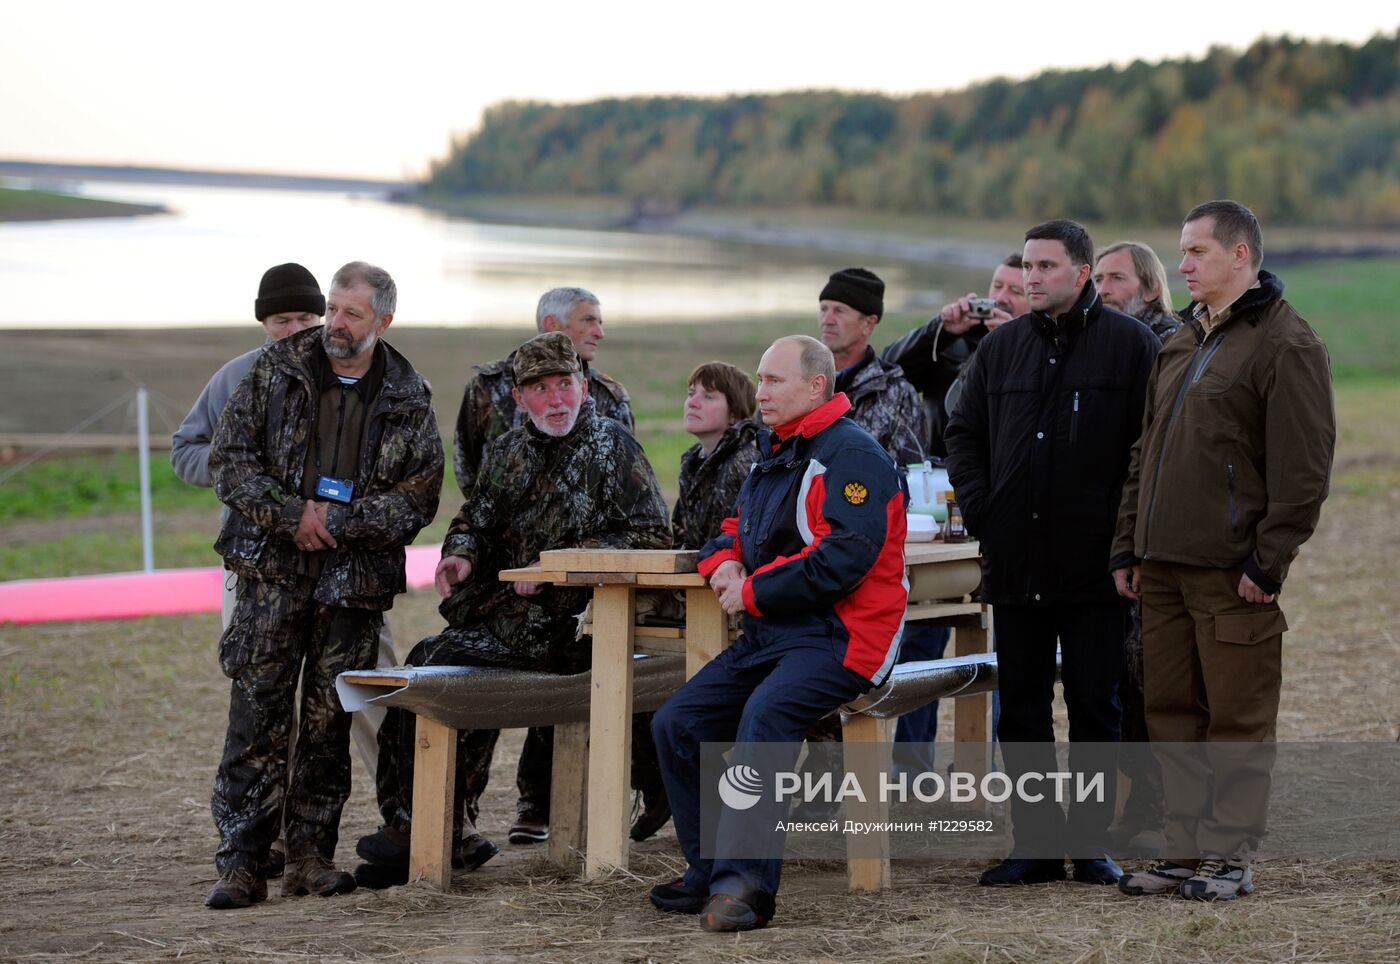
315 573
489 411
568 478
488 408
882 400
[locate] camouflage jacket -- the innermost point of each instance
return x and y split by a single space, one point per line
257 459
489 410
593 488
885 405
1162 323
710 485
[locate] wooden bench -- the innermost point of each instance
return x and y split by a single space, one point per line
592 773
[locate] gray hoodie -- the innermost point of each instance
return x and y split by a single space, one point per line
189 447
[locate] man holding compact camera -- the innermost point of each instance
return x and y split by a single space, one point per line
328 456
933 355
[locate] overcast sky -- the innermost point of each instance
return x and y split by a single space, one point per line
379 90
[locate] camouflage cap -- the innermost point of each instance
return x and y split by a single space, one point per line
549 354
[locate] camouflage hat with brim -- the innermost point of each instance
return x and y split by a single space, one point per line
549 354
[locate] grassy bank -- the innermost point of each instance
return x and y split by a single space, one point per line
25 205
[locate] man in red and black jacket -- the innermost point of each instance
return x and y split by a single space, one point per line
814 560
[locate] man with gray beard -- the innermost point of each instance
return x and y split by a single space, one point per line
329 458
1131 278
566 478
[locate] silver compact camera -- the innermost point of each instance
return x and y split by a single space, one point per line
982 307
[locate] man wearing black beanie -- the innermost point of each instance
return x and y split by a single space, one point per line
882 400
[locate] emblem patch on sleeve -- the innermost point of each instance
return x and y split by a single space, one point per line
855 493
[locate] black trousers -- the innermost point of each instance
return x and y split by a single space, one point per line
1090 638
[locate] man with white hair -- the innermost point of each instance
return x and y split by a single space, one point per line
489 410
567 478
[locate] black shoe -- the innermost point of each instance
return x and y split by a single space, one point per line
726 912
655 812
473 851
386 847
379 876
677 898
531 827
276 861
1018 870
1099 870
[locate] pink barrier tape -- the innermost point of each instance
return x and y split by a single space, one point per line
131 595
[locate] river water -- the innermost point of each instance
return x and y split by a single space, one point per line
200 264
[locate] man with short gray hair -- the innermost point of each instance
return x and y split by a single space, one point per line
597 491
488 411
488 408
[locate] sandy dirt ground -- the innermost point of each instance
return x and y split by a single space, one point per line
110 734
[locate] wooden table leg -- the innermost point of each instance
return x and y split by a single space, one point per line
568 794
971 730
434 779
610 730
706 629
867 855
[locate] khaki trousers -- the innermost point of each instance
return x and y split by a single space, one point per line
1212 667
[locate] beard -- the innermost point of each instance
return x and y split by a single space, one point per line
1135 306
339 348
555 429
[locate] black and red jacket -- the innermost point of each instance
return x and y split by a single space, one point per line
820 531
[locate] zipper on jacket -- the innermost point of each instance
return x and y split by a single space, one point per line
1234 512
339 430
1186 381
1201 369
1074 420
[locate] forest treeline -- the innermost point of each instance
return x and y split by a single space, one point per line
1303 131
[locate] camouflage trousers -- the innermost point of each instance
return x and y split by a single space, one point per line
278 634
475 748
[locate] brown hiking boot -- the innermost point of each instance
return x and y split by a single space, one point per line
236 888
315 875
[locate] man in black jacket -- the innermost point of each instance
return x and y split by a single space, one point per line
1037 452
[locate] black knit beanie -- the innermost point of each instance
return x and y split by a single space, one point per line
288 287
857 287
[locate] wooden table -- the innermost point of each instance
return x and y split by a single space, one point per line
615 575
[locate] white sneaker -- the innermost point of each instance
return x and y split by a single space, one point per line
1163 877
1219 879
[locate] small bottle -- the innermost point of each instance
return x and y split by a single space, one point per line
953 529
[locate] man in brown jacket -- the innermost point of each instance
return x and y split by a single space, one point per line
1226 482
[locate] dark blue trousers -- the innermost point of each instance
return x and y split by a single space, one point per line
741 697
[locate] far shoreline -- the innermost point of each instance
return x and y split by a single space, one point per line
25 205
